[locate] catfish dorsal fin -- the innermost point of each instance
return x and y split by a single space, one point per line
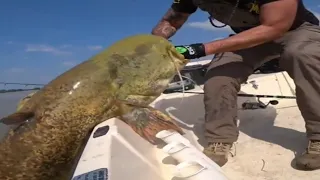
17 117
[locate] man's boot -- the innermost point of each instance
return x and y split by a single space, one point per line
218 152
311 159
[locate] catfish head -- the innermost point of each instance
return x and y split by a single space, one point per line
142 74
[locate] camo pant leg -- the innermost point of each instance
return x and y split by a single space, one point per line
301 59
223 80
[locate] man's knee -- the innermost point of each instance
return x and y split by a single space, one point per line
231 74
219 86
300 56
294 51
218 83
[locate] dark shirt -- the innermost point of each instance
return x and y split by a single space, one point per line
246 15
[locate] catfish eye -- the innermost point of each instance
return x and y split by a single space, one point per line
142 49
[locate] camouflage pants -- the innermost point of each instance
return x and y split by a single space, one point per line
299 52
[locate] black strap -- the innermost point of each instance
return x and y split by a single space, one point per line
211 22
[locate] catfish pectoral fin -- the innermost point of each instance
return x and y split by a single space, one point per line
17 117
147 122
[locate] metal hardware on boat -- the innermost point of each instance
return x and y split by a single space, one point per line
254 84
258 105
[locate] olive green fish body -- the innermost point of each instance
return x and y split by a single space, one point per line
48 144
121 81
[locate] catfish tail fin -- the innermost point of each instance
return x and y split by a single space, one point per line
147 122
17 117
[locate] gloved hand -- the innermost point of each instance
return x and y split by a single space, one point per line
192 51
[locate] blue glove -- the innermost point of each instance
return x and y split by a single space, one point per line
192 51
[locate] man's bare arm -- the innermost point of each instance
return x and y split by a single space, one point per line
276 19
170 23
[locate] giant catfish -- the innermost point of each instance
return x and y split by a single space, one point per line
120 81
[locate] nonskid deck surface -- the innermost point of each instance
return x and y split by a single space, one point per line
269 138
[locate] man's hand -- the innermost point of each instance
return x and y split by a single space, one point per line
192 51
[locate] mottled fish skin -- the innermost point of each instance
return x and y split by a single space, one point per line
24 100
125 77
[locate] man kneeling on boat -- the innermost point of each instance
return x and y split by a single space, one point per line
265 29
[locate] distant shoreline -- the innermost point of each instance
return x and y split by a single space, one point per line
16 90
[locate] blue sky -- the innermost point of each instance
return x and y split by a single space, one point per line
41 39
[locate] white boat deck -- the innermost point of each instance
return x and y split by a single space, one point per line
268 142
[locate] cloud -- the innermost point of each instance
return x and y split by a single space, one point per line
94 48
14 70
25 75
218 38
65 46
45 48
69 63
316 14
206 25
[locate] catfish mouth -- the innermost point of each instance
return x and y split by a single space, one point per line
177 58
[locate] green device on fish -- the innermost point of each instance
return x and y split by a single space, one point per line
181 50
